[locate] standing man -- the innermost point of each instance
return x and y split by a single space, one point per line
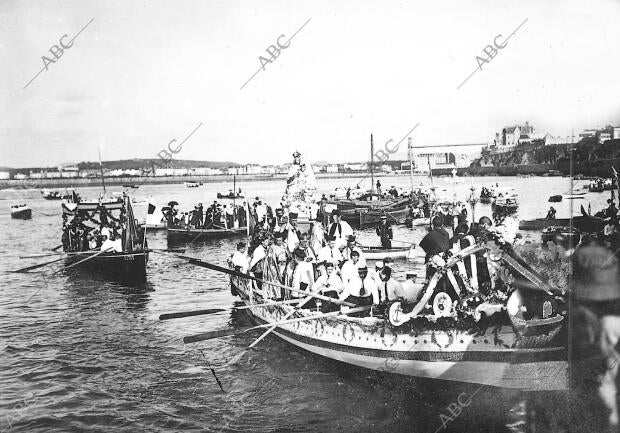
339 229
436 241
378 187
384 231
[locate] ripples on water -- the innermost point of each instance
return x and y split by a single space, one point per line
78 353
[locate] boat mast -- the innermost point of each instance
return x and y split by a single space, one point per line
101 168
234 189
410 147
372 161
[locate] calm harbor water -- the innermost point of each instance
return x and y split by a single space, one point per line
78 353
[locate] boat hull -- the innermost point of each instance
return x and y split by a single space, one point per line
121 266
362 218
494 357
23 214
193 235
378 253
583 223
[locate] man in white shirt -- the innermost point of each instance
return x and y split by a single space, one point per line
330 253
349 270
361 290
303 276
240 258
338 228
351 246
329 284
408 290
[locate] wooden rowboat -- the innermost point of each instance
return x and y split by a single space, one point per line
588 224
501 350
378 253
362 218
178 235
126 266
21 212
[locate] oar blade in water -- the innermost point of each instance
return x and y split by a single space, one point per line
182 314
40 265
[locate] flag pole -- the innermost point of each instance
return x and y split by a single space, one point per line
101 168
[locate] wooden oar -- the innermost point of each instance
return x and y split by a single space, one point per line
197 262
36 256
83 260
57 247
180 315
40 265
227 332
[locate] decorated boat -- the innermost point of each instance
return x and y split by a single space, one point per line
214 224
508 332
103 236
21 212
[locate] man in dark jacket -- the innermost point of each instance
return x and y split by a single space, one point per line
384 231
436 241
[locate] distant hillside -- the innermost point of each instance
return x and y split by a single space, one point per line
126 164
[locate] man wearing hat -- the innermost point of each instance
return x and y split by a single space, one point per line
384 231
303 276
350 247
361 289
436 241
339 229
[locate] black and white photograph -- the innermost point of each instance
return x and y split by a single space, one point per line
309 216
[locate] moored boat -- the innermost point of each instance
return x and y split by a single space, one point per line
56 195
21 212
585 223
379 253
555 198
192 184
230 195
362 218
197 235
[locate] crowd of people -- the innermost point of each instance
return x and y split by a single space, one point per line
216 216
323 260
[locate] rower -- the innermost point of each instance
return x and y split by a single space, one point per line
350 247
551 214
329 253
338 228
384 231
329 284
303 276
389 288
349 269
361 290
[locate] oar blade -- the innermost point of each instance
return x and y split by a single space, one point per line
213 334
182 314
40 265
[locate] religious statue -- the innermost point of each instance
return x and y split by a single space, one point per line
300 184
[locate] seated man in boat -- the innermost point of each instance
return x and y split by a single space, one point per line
350 268
240 259
350 247
303 276
329 284
551 214
339 229
384 231
436 241
109 244
361 290
330 253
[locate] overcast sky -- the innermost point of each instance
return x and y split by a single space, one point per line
146 72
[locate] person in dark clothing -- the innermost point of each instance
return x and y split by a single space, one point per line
436 241
461 231
551 214
199 212
384 231
463 217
